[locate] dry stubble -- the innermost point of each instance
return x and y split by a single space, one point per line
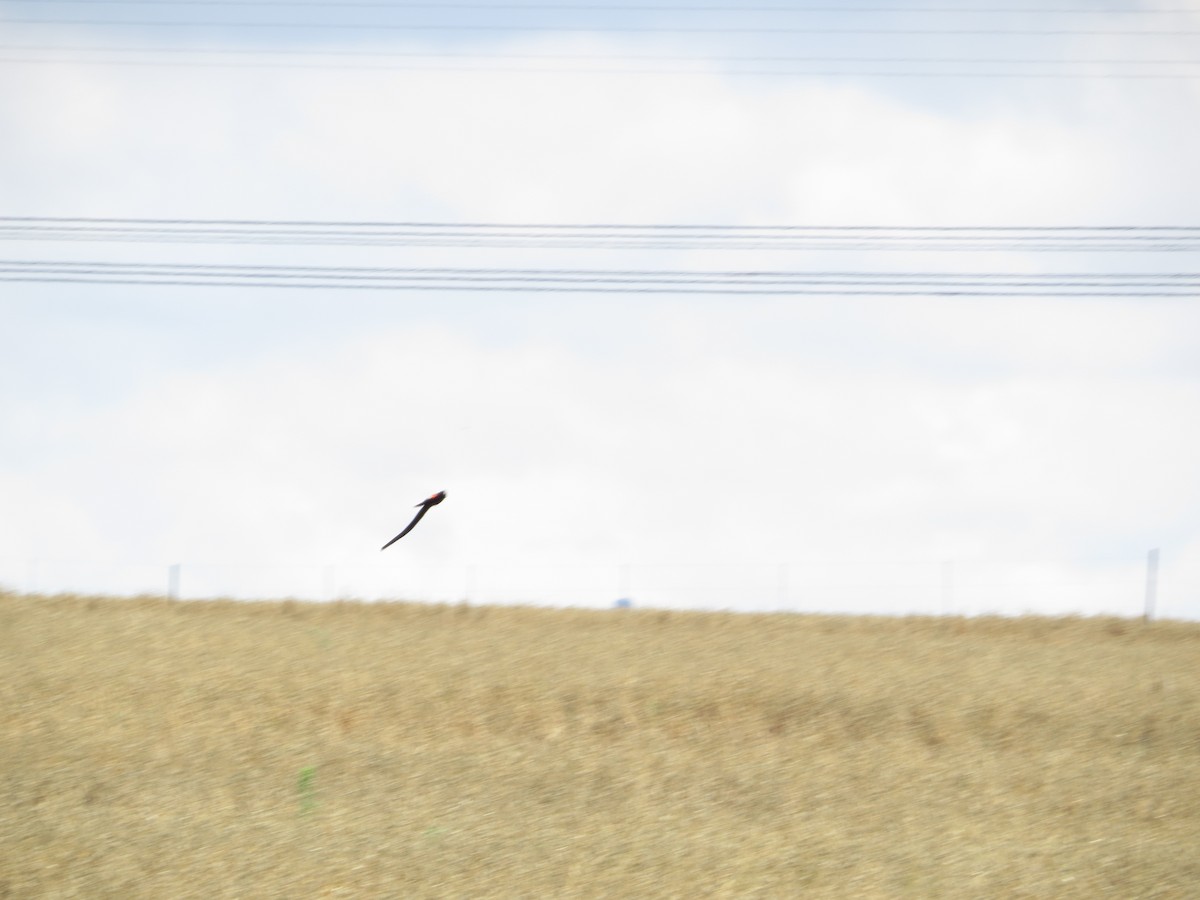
151 749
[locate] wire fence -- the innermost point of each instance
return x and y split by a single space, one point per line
1125 587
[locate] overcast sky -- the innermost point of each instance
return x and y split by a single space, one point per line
891 453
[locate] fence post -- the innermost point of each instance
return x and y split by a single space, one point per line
1151 584
173 582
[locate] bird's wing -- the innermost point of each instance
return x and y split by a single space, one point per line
417 518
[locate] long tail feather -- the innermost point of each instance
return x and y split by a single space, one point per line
411 525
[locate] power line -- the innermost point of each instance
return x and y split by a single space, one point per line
103 224
607 29
588 57
761 66
584 7
897 284
450 60
623 225
610 236
542 70
488 64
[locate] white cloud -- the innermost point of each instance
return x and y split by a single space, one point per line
503 146
597 432
703 455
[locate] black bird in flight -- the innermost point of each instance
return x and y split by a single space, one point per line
424 504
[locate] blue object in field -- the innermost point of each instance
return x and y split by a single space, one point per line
623 603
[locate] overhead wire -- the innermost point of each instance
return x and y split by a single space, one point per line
623 70
116 222
591 29
637 281
568 65
606 236
760 65
597 236
590 57
1074 239
1070 239
588 7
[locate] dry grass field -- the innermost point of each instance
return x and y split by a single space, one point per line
221 749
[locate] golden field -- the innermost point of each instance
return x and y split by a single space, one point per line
223 749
